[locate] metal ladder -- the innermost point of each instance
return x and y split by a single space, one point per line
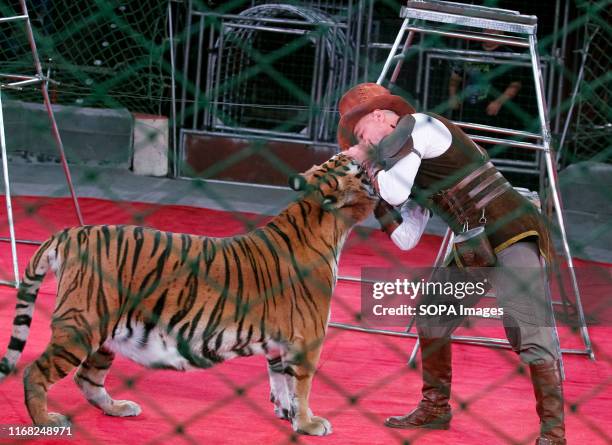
433 17
17 82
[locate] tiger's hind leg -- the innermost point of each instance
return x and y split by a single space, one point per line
281 388
61 356
90 378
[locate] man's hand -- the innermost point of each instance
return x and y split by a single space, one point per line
494 107
453 102
359 152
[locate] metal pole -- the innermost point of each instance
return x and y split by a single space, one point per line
570 112
187 36
7 190
470 340
551 65
552 174
196 98
173 90
358 38
426 82
396 44
368 40
400 62
479 38
54 129
413 355
561 60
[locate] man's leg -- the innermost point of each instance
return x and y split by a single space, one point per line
519 284
433 411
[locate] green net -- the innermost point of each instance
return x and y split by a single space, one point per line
231 99
103 54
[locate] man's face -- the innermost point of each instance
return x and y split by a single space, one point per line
374 126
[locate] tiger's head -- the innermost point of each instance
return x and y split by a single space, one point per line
339 185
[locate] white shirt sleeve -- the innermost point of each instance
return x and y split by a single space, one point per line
409 232
431 138
394 185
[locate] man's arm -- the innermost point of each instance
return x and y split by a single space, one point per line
394 185
409 232
398 156
509 93
453 87
405 227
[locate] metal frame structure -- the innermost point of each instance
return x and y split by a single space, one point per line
531 166
336 30
459 21
17 82
578 84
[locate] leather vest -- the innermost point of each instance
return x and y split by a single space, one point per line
466 191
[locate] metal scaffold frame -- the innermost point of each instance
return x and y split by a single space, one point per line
457 20
17 82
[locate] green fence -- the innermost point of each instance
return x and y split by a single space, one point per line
250 89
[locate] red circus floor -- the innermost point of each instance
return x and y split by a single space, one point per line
362 378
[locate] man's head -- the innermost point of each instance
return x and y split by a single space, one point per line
374 126
363 100
492 46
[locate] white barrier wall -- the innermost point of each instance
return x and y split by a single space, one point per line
150 145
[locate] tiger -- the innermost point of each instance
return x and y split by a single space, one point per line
186 302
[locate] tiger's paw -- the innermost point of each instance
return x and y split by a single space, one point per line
56 419
122 408
318 426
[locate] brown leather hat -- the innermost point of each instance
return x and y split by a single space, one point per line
361 100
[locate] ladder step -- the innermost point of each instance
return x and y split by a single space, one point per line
13 18
500 130
468 15
508 142
22 83
524 43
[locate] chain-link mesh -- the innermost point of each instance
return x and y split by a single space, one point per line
591 128
229 100
103 54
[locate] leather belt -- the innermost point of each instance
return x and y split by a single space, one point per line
464 202
469 178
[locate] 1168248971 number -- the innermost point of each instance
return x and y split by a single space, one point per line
26 431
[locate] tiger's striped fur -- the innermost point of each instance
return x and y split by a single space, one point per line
182 301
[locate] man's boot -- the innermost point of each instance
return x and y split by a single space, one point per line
548 389
433 411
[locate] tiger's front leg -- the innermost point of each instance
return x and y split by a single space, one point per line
281 387
304 360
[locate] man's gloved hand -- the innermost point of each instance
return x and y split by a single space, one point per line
388 217
397 144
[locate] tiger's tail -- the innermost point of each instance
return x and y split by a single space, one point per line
26 296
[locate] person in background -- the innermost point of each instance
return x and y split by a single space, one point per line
484 94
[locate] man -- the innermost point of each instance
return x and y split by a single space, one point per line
484 96
425 154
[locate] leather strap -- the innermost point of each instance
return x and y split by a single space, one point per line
463 197
463 202
484 184
492 195
469 178
389 218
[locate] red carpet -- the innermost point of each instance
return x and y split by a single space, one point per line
362 378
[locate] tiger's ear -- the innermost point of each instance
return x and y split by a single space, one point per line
297 182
